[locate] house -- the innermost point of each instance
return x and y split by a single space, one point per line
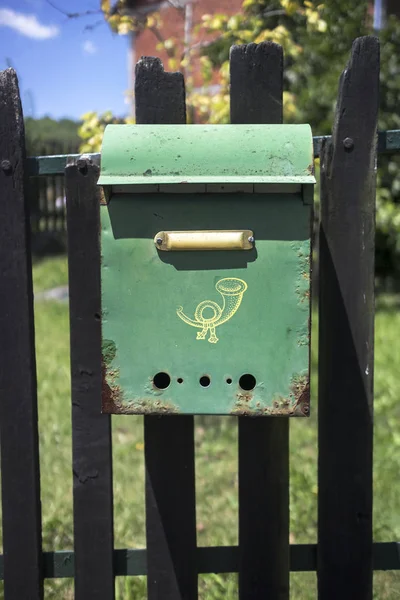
179 21
180 18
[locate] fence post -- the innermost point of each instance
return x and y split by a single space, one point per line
169 441
256 97
91 431
346 329
18 406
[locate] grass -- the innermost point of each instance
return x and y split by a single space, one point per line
50 273
216 460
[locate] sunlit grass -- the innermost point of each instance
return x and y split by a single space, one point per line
216 459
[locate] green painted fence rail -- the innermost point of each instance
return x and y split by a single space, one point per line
388 143
222 559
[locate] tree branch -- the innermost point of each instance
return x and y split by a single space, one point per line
273 13
73 15
94 25
170 51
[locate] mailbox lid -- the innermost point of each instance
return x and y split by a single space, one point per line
176 154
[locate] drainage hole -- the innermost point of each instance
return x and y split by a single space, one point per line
205 381
247 382
180 380
161 380
229 380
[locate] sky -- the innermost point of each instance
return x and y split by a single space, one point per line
64 69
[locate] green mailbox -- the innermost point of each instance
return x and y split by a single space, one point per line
205 243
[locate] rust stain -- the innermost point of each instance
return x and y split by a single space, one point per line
311 169
111 395
102 197
267 411
149 406
245 411
303 282
297 404
244 397
243 404
304 339
303 291
113 400
300 388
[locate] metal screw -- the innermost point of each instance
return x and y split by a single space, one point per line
83 162
6 166
159 241
348 143
84 158
251 239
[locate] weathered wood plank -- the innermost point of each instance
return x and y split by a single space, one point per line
18 406
91 431
256 83
256 97
346 333
159 96
169 441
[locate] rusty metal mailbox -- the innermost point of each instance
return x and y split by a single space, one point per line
205 242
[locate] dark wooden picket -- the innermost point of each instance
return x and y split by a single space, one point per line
169 441
18 403
91 431
346 333
256 97
345 556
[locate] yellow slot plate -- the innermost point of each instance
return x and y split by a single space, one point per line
170 241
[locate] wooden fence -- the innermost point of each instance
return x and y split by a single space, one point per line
345 555
47 205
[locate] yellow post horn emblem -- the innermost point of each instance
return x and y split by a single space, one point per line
231 290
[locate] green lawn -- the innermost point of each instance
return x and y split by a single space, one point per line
216 464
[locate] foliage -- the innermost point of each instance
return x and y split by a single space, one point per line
50 273
388 193
260 21
216 459
119 19
249 26
316 53
316 39
91 130
47 136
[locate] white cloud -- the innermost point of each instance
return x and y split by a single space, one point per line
89 47
27 25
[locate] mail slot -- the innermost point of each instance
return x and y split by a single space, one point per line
205 243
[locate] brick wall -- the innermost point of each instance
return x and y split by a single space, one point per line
174 22
173 26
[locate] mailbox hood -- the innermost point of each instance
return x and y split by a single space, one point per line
206 154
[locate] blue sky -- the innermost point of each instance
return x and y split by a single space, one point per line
63 69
